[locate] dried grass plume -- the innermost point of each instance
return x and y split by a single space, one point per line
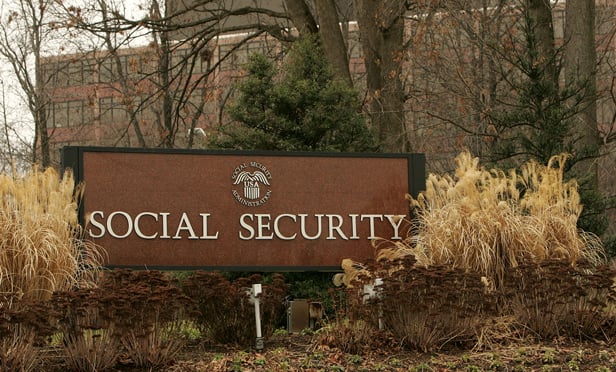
40 249
486 221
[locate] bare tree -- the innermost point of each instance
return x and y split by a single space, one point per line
119 72
15 152
487 78
173 87
25 31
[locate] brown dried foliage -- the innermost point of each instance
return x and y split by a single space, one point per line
428 307
354 328
135 312
23 327
223 310
556 299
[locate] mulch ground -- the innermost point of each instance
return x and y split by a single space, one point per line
299 353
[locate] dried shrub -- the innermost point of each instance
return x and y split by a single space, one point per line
137 312
87 329
354 328
148 310
18 353
499 331
22 328
428 307
556 299
349 336
515 231
92 350
39 249
223 308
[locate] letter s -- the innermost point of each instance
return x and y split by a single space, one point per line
247 227
92 221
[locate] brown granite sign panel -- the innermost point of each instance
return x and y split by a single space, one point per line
242 210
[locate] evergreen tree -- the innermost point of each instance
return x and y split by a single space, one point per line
541 123
299 107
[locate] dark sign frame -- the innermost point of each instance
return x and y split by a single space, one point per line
73 157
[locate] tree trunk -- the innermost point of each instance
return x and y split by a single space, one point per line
40 114
540 12
40 98
580 74
169 128
332 40
301 16
381 31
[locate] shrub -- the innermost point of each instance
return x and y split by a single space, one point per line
299 107
554 298
17 352
139 312
92 350
223 310
148 311
483 233
487 221
86 325
354 327
350 336
22 329
428 307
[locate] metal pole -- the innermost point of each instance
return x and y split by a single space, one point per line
256 291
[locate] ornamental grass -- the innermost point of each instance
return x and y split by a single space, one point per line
490 251
487 221
40 250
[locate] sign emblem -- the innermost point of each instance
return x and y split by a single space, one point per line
251 183
254 177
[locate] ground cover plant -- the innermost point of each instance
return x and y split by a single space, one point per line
137 314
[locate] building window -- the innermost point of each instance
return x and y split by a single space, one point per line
194 101
70 114
226 59
240 56
74 72
105 71
89 72
59 115
75 113
112 110
60 75
108 71
105 106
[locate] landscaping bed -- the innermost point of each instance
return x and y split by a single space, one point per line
299 353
